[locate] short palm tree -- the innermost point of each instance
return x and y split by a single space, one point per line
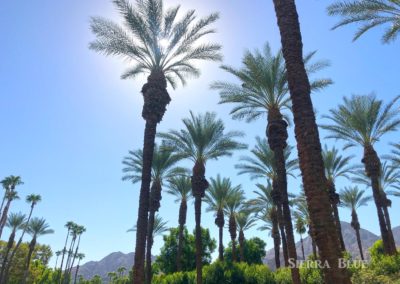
353 198
180 187
80 256
233 205
15 222
300 225
217 196
165 46
37 227
369 14
203 139
363 120
336 166
308 142
32 199
9 183
163 168
245 220
262 165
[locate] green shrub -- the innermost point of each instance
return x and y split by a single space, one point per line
283 276
176 278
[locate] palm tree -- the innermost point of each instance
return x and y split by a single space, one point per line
75 231
353 198
32 199
9 183
37 227
166 47
363 120
308 143
262 165
58 253
15 222
300 226
180 187
336 166
80 256
245 220
369 14
79 231
163 168
69 225
203 139
217 197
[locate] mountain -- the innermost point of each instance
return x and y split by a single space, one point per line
350 241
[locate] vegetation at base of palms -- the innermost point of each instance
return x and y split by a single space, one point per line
217 196
253 251
147 25
203 139
180 187
363 120
353 198
165 261
163 168
336 166
37 227
368 14
245 220
9 184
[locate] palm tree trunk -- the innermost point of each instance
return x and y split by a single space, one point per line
356 226
302 247
32 245
335 200
277 240
76 272
55 265
387 203
277 199
199 186
313 244
2 202
67 264
5 255
232 232
308 143
220 222
156 99
75 255
63 254
182 222
4 216
372 168
241 246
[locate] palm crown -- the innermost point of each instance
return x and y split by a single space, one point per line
180 187
159 226
335 164
218 193
263 83
353 198
33 199
10 182
156 40
38 227
263 200
362 120
15 221
245 220
369 14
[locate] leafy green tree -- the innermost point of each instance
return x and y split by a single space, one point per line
353 198
180 187
202 139
368 14
245 220
9 183
166 260
165 46
253 251
363 120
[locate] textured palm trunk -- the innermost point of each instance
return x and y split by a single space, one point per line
76 273
372 169
241 246
155 198
63 255
182 222
232 232
302 246
199 186
308 143
313 244
5 255
356 226
68 262
386 204
335 200
277 136
277 199
277 240
32 245
2 203
220 222
4 216
75 255
156 99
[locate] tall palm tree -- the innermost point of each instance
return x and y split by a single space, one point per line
69 225
32 199
180 187
9 183
15 222
203 139
217 196
37 227
80 256
300 226
165 46
308 143
353 198
163 168
75 232
363 120
245 220
262 165
58 253
80 231
336 166
369 14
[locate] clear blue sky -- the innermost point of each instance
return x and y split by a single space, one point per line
67 119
